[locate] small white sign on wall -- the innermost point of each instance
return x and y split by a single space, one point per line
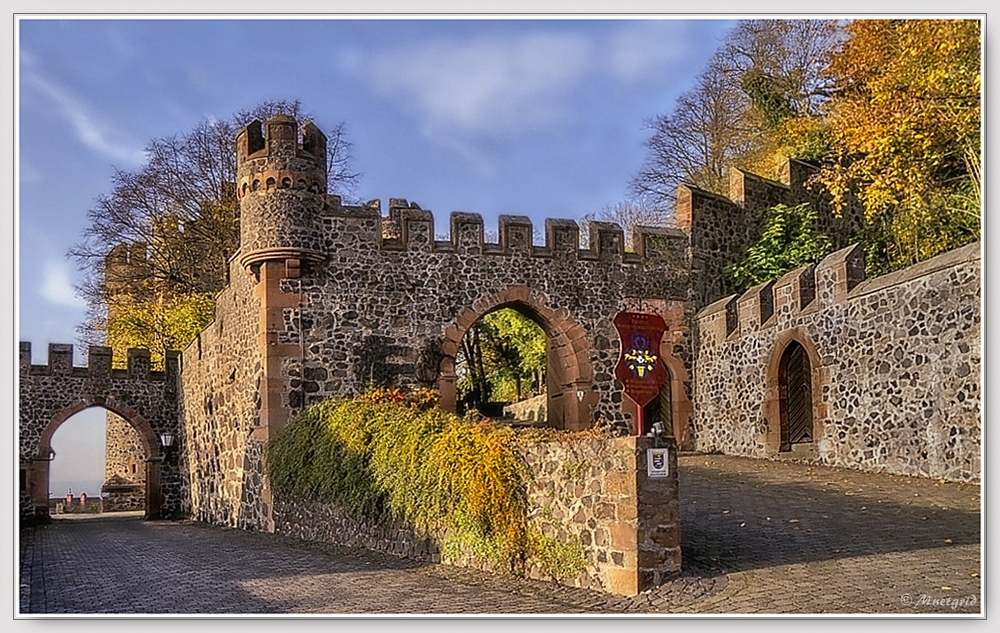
657 462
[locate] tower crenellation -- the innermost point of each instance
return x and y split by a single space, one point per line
281 187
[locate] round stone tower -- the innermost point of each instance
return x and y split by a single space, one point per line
282 191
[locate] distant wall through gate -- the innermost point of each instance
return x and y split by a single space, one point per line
50 394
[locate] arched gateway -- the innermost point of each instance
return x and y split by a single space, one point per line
331 299
569 372
50 394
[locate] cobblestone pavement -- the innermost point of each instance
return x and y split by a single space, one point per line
758 537
798 538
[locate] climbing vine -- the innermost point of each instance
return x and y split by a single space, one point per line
389 455
789 239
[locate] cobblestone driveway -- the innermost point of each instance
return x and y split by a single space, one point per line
758 537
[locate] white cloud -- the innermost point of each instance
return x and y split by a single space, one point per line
489 85
57 288
99 137
639 50
516 84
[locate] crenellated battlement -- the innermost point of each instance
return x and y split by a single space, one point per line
723 227
286 214
836 279
752 192
409 228
803 289
277 155
60 363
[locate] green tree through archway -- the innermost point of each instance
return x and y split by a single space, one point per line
501 360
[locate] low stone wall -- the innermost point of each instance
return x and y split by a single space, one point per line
530 410
590 500
596 493
326 523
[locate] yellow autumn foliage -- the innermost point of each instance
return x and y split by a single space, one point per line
158 324
905 125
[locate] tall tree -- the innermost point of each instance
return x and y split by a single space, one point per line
502 358
761 93
905 124
157 247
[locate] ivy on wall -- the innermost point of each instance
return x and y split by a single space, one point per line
389 455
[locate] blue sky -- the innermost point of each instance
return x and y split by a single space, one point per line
539 117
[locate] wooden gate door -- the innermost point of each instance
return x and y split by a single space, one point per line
796 397
661 408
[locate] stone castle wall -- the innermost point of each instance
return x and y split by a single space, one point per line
895 365
326 299
386 313
221 386
124 454
124 488
721 228
50 394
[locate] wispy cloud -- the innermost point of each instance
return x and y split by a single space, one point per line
517 84
96 135
489 85
57 288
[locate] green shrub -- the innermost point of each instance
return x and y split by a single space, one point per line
388 455
560 560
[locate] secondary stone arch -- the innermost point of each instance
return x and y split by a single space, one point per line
680 404
148 437
772 405
570 374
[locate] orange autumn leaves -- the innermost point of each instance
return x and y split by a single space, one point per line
905 124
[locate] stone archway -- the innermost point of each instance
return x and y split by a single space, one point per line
794 342
39 484
570 374
680 405
794 397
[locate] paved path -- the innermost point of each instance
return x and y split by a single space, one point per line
758 537
795 538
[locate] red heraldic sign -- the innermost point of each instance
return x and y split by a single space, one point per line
639 368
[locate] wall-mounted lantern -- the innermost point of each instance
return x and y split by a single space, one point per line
167 440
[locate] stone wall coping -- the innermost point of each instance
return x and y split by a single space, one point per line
845 264
790 277
695 190
965 254
737 184
717 306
